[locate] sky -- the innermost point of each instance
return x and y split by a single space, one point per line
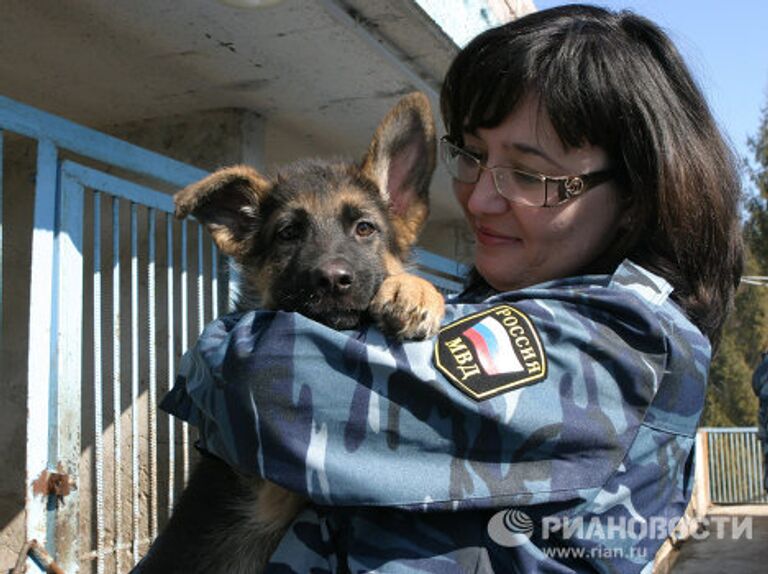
725 43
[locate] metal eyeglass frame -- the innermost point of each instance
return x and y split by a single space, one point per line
568 186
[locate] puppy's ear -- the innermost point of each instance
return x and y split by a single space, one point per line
227 203
401 160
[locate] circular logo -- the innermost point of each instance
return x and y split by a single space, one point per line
510 527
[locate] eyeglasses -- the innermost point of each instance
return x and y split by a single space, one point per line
517 185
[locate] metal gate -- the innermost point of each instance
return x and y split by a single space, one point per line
735 465
118 290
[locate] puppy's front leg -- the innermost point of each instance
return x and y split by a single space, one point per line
408 307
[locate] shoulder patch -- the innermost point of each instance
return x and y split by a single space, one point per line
491 352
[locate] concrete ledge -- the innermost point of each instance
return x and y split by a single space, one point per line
739 510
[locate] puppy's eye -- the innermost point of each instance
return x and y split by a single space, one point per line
289 232
364 228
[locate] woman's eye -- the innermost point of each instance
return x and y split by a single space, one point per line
524 179
466 160
475 154
364 228
289 232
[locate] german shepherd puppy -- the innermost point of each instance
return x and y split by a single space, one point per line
330 241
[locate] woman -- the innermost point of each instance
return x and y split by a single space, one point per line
549 427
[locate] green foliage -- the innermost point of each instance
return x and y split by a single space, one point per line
759 147
730 400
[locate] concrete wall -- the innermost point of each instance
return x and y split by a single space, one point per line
18 186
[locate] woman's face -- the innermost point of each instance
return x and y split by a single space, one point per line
519 245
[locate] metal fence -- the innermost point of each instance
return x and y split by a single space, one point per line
735 466
446 274
118 290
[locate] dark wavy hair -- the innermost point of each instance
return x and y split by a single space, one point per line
615 80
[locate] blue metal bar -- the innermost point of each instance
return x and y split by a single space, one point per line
738 452
727 461
744 464
215 311
116 382
135 381
112 185
712 467
754 493
741 467
728 451
233 284
446 274
200 279
708 460
721 466
68 382
733 467
152 349
446 286
40 125
184 339
737 475
760 494
42 323
728 430
715 455
720 439
171 360
98 367
757 471
440 264
720 477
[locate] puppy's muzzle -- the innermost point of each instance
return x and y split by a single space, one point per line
334 277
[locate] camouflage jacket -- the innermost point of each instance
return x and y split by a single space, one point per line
545 430
760 386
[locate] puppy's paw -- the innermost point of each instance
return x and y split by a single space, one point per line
408 307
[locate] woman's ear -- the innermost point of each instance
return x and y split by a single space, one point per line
626 219
629 215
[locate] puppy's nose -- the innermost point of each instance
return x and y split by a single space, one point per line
335 276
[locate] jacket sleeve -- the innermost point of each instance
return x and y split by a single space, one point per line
351 418
760 386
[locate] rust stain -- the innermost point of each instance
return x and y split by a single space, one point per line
58 484
40 485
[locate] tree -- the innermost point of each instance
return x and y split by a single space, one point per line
730 400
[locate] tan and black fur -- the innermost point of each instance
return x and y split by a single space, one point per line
329 240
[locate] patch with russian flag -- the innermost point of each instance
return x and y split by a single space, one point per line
491 352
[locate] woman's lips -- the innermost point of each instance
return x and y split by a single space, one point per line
487 236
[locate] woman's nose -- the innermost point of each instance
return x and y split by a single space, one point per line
484 198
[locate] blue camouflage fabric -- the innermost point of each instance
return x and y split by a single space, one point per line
584 467
760 386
